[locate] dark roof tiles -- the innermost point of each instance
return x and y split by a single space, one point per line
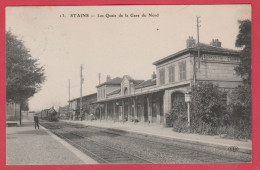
146 83
114 81
203 48
114 92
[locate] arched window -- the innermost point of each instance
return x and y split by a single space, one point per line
125 91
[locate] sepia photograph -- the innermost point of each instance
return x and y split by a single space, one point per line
128 84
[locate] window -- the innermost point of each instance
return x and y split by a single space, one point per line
171 74
104 92
182 70
125 91
162 76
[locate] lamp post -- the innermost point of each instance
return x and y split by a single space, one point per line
188 100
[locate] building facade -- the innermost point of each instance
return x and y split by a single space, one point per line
87 106
127 99
13 112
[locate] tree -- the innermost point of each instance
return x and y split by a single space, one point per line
208 103
24 75
25 106
208 110
241 97
244 41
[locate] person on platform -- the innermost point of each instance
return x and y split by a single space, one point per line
36 121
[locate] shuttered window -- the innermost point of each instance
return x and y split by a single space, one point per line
182 70
171 74
162 76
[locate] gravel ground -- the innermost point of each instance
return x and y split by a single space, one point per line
157 153
154 151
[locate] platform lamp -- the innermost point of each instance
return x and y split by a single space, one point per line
188 100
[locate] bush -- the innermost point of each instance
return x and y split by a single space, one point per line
178 116
208 110
210 114
209 103
240 109
241 103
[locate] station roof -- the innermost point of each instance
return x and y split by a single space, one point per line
128 96
115 92
93 94
146 83
203 48
114 81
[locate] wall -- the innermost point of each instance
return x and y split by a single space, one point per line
73 105
12 112
125 84
111 88
219 70
174 62
108 89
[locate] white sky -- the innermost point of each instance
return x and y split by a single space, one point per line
112 46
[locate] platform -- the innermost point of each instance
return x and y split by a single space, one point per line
28 146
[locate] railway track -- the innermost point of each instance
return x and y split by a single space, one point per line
81 137
98 151
195 153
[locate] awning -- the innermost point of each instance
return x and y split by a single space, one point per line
128 96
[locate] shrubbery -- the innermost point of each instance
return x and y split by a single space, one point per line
210 113
240 109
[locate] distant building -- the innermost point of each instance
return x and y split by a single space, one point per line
87 107
64 112
12 113
127 99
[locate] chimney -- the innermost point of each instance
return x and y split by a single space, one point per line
99 77
108 78
190 42
153 75
215 43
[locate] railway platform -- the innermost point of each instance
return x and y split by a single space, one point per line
159 131
28 146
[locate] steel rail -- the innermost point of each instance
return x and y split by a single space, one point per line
124 155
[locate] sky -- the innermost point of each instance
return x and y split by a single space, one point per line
62 40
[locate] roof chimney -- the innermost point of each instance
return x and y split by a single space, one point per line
99 77
153 75
215 43
108 78
190 42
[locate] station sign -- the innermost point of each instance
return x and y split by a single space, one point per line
187 97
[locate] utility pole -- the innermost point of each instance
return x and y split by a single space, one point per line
99 77
194 58
198 37
81 82
69 100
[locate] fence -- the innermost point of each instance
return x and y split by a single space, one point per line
12 112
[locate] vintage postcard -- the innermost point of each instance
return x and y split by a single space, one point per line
128 84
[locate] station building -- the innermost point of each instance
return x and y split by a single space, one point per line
87 106
127 99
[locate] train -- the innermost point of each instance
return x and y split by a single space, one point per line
49 114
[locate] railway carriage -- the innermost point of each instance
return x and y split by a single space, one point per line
50 114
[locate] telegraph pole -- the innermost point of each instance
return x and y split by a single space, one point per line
198 37
99 76
69 99
81 82
194 58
